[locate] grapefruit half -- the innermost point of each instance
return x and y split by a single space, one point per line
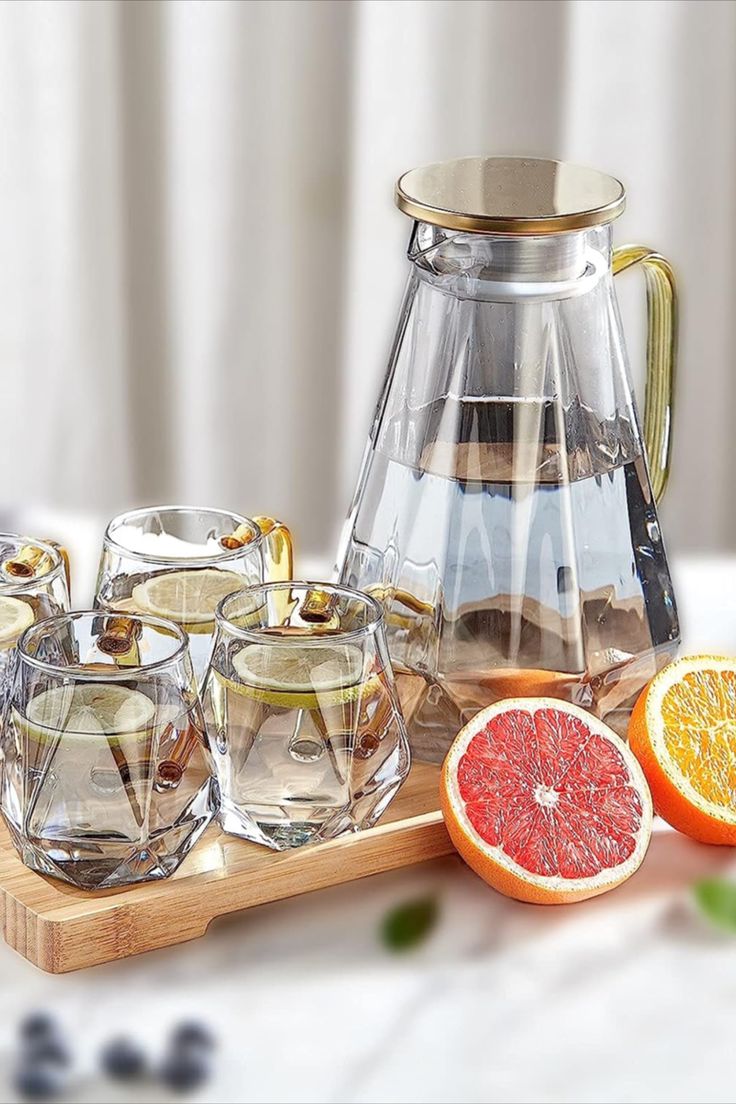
545 802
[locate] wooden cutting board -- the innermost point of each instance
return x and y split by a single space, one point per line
60 928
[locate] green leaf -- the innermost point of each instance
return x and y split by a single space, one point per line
716 899
408 925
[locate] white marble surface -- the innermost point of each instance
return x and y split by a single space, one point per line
629 997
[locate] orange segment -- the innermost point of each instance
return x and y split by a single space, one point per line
683 731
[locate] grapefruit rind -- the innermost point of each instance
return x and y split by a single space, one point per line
676 799
491 862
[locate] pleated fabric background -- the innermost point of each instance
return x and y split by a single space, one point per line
200 261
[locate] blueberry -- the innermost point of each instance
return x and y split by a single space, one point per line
40 1081
38 1025
48 1049
192 1034
185 1070
123 1060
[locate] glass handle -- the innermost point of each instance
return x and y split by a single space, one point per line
318 607
120 640
661 355
64 559
31 561
279 549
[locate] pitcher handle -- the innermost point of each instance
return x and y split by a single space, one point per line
661 356
279 549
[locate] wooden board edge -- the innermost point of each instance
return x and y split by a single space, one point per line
25 931
60 943
217 882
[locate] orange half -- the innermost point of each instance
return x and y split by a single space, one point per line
683 732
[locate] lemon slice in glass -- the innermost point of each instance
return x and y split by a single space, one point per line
15 617
296 677
187 597
85 711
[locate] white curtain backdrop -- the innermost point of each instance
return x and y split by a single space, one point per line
200 261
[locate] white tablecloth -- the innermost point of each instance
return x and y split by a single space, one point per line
629 997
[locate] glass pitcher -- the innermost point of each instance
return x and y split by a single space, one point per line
505 511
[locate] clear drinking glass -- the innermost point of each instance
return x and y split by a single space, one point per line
107 779
178 562
34 584
302 716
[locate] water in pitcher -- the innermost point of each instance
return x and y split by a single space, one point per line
511 564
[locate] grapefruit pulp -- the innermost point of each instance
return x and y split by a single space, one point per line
545 802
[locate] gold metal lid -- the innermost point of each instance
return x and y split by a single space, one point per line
510 195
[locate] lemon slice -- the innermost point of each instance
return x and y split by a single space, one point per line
187 597
15 617
87 711
301 678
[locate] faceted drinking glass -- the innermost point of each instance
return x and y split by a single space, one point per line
178 562
107 779
302 715
34 584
